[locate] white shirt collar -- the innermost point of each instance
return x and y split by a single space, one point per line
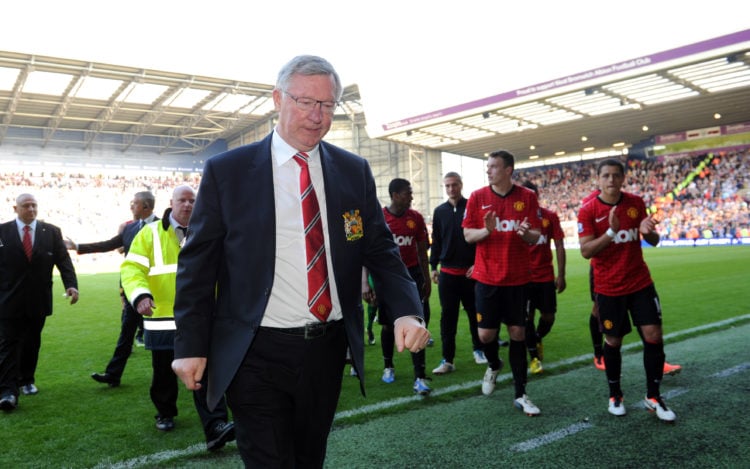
283 152
21 224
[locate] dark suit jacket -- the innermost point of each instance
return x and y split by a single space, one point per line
225 270
121 240
26 286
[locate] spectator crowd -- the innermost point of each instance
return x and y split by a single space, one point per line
703 196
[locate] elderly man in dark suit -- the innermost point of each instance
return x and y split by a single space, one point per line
268 284
29 249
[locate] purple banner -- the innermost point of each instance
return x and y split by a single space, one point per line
633 64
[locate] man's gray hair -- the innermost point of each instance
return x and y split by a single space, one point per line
309 65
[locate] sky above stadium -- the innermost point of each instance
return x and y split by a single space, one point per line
408 57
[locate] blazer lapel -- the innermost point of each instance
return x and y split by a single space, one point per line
334 212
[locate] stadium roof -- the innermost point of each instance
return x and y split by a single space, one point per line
50 101
57 101
697 86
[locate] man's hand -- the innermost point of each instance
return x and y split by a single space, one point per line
410 334
490 221
614 222
648 225
145 307
72 293
434 276
190 371
69 244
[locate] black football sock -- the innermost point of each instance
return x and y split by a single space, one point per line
613 362
543 328
492 354
418 361
531 339
518 364
387 342
596 335
653 362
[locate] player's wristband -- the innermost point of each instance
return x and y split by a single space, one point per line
610 232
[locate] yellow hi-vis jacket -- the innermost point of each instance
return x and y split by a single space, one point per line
150 269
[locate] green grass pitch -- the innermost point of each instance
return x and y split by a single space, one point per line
75 422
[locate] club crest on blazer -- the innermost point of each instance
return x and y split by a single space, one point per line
353 225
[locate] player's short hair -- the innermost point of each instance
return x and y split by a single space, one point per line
531 186
508 158
453 174
610 162
398 185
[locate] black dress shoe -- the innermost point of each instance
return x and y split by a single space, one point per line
29 389
8 402
164 424
222 433
106 378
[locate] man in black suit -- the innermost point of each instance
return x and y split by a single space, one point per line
29 249
142 207
249 314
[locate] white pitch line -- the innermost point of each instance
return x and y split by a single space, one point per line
731 371
198 448
155 458
567 362
545 439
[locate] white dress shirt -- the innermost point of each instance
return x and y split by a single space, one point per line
32 230
287 306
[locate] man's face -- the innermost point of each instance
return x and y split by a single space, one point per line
611 179
304 129
26 209
497 172
403 199
182 205
137 206
453 187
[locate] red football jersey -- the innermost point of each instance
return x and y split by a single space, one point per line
503 258
407 230
619 269
542 269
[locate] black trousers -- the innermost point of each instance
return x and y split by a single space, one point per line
31 342
20 340
284 396
130 321
455 290
164 391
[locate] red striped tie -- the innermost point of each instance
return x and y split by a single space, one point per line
318 292
27 241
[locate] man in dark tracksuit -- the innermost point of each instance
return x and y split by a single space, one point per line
456 259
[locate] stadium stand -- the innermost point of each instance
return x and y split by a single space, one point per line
696 197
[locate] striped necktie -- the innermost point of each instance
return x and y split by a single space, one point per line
318 291
27 247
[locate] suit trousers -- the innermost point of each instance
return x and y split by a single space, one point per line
164 391
129 322
31 342
20 340
284 397
11 330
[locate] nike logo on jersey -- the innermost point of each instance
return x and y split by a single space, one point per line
598 220
486 206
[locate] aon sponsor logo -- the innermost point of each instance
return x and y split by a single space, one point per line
507 225
627 236
403 240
